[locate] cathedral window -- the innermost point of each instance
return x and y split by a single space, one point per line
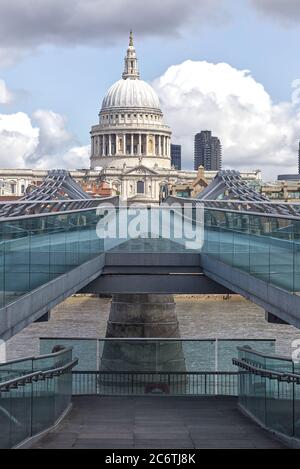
140 187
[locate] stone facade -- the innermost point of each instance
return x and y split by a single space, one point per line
112 181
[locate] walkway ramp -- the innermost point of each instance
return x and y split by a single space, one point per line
157 422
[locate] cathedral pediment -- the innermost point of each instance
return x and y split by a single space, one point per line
140 169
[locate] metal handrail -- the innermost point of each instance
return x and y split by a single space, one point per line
64 212
245 202
36 376
51 201
145 339
54 354
261 354
266 373
258 214
202 373
237 202
232 201
49 355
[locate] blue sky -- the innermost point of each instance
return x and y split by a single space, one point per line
71 78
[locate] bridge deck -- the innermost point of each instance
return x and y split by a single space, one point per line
156 422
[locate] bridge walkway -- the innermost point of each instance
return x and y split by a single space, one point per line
157 422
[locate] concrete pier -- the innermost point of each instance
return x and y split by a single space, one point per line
142 316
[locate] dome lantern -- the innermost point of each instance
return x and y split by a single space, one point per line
131 62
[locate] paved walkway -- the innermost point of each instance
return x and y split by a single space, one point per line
156 422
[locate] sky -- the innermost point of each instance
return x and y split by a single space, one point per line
224 65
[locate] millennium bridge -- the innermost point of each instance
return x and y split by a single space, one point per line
57 241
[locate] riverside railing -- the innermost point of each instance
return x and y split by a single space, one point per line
108 383
174 366
269 391
34 394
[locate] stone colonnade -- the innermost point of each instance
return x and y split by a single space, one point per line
131 144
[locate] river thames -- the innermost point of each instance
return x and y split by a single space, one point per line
199 317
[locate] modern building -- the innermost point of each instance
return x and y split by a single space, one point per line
208 151
176 156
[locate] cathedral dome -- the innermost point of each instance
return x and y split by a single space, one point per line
131 131
131 93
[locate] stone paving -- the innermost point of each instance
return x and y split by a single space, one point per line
157 422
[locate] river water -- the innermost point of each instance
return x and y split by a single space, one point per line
199 317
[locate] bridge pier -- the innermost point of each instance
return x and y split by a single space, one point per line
142 316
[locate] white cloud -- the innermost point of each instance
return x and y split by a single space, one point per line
53 135
18 140
43 144
77 157
255 132
6 96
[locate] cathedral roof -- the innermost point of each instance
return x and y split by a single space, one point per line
130 94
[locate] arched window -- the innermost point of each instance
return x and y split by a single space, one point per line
140 187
